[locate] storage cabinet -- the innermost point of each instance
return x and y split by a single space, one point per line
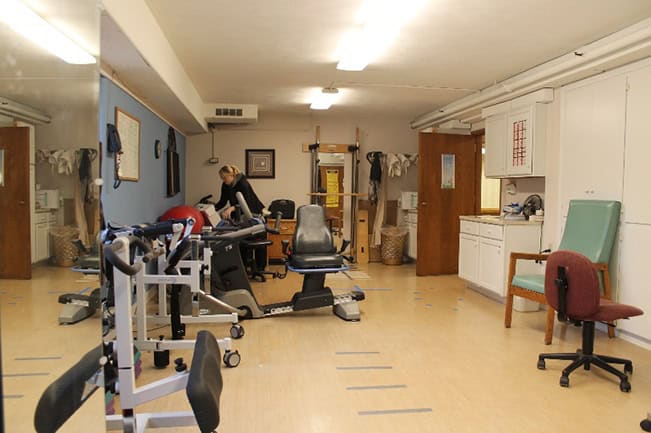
42 223
516 135
286 229
592 140
484 250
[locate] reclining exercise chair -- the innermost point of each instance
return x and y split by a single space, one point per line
572 288
590 230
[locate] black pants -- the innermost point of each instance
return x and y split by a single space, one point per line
257 255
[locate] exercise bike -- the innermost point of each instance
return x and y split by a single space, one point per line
313 254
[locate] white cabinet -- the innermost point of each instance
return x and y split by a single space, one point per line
495 127
637 206
468 256
634 282
516 136
491 266
484 250
593 125
43 222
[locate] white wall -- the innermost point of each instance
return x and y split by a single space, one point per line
286 134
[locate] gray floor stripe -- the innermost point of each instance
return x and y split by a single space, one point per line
24 374
11 303
357 353
362 388
37 358
13 396
367 367
366 289
392 411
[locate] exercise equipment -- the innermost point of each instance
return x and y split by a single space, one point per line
645 424
77 307
313 255
203 383
170 261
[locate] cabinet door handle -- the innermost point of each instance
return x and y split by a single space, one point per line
21 202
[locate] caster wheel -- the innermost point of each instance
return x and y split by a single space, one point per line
628 368
565 381
541 364
237 331
646 425
232 359
625 386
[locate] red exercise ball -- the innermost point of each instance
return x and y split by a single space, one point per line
182 212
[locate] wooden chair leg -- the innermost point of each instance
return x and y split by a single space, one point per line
608 295
549 331
508 309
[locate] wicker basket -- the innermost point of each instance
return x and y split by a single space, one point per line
393 245
65 251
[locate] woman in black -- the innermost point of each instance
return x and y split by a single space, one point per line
234 181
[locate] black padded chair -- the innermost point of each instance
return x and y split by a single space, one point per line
205 383
312 245
68 393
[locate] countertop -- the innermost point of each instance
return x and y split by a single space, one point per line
497 220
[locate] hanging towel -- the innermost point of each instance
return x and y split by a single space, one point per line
375 177
394 165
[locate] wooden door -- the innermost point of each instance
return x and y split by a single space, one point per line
15 240
442 198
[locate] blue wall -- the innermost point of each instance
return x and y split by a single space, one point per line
145 200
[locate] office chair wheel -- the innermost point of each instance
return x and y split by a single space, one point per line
628 368
645 424
541 364
237 331
625 386
232 359
565 381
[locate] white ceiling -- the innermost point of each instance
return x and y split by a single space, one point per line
274 53
33 76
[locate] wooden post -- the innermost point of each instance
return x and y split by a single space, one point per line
361 237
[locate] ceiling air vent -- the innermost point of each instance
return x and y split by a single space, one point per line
232 113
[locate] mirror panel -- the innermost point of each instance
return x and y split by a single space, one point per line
61 101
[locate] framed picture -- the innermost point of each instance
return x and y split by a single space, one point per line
260 163
128 127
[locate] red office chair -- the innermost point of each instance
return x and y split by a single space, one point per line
572 289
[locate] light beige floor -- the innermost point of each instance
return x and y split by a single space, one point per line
447 351
29 312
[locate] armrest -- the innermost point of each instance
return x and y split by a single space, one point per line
528 256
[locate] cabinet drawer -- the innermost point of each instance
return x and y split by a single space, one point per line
491 231
40 218
470 227
52 218
287 227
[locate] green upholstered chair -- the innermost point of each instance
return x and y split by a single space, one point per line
590 229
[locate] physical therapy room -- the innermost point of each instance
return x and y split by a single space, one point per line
345 216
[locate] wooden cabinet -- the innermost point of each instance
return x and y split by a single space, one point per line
275 251
516 136
593 127
484 250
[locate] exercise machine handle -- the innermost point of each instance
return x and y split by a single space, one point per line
276 228
110 253
162 228
246 211
237 234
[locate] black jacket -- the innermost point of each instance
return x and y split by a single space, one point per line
242 185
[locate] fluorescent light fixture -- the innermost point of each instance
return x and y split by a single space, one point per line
379 24
26 22
17 110
324 99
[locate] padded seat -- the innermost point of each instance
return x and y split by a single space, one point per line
316 261
204 387
535 283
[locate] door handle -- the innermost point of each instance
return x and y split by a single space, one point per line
21 202
423 203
